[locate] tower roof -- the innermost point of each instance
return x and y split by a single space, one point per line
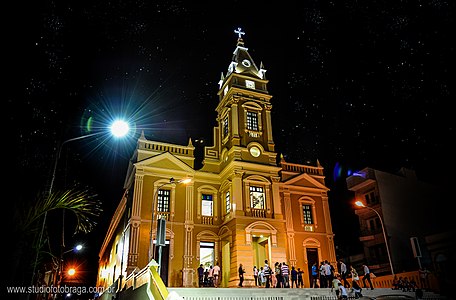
242 62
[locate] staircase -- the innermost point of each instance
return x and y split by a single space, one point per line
147 285
289 294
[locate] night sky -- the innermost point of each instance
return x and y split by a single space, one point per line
355 84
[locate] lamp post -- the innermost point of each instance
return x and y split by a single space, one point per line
118 129
153 208
60 266
361 204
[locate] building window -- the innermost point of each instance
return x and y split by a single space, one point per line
228 202
257 197
250 84
374 224
163 200
252 120
378 224
371 225
370 198
307 214
225 126
207 205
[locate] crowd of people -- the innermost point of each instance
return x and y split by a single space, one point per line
404 284
323 275
281 275
210 276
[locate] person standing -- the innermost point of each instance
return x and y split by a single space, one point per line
367 277
278 275
424 278
201 275
241 272
267 273
294 277
328 273
354 273
255 275
216 273
285 275
343 273
262 278
206 277
322 274
273 278
314 274
210 277
300 281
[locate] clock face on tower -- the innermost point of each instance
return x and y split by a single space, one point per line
255 151
246 63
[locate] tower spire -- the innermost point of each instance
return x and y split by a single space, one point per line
240 41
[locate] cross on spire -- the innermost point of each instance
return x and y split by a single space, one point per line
239 32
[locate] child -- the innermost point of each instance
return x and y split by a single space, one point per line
262 277
357 289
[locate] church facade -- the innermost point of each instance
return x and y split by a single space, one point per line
243 206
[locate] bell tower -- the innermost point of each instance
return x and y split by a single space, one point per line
244 110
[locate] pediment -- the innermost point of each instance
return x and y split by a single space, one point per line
164 161
305 180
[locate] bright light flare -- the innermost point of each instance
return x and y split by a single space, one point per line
71 271
185 181
120 128
360 204
78 247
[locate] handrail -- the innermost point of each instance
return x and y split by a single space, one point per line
156 288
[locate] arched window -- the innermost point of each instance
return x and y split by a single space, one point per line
207 202
308 213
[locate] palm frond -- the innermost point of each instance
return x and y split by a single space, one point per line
81 201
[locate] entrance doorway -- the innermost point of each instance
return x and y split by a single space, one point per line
164 260
260 248
312 257
207 254
207 257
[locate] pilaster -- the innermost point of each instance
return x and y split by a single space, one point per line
135 222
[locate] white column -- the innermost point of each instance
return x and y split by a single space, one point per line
188 271
134 225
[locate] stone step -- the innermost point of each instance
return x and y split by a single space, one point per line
288 294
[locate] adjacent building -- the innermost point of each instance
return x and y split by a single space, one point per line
243 206
411 212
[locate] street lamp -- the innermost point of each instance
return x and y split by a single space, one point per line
153 208
361 204
119 129
75 249
71 271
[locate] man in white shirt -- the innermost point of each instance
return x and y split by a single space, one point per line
343 273
367 277
328 274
